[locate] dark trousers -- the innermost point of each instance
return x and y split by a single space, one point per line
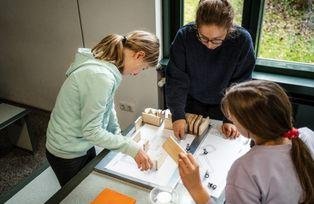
197 107
65 169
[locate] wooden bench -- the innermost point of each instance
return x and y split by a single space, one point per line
12 120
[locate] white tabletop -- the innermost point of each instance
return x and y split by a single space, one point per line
95 182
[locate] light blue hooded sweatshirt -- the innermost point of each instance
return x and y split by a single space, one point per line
84 113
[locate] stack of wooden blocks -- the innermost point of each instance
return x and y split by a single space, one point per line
196 124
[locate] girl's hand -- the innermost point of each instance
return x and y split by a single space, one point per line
189 171
179 127
143 161
230 130
190 176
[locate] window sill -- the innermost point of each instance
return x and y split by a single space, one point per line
292 84
280 67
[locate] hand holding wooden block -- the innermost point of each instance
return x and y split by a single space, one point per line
172 148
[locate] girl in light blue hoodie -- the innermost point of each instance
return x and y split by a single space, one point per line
84 113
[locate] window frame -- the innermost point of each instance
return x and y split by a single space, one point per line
252 19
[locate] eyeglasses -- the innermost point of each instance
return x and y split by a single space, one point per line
205 40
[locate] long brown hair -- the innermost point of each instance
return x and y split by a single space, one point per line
111 47
215 12
263 108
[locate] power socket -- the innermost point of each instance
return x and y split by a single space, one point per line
125 106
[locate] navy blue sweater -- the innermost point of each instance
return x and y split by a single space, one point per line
204 73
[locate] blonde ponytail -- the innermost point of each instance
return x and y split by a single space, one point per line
111 47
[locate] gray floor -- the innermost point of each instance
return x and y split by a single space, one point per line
16 164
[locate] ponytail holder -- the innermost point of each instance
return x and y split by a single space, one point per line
124 40
291 134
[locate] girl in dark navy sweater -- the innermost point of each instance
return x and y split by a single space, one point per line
206 57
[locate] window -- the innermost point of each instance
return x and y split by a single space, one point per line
287 31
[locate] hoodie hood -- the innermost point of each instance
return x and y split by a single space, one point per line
84 57
81 57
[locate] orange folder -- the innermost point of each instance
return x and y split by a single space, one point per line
108 196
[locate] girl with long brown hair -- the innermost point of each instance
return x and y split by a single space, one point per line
279 167
84 113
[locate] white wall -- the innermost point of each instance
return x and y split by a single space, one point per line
38 40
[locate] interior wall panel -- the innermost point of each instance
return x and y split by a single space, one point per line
38 40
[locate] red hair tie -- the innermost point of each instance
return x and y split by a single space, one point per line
293 133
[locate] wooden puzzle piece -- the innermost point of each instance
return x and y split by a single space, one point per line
191 120
204 125
151 119
168 123
197 124
138 123
146 145
172 148
161 113
191 125
137 137
188 118
168 120
148 111
156 112
168 114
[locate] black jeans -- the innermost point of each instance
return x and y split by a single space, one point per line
197 107
65 169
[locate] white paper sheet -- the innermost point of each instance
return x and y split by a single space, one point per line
125 165
221 155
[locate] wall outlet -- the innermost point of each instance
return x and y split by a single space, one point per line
125 106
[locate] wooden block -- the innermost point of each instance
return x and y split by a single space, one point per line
155 112
172 148
191 125
168 123
146 145
204 125
159 113
138 123
148 111
188 117
197 124
151 119
108 196
163 113
168 114
137 137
